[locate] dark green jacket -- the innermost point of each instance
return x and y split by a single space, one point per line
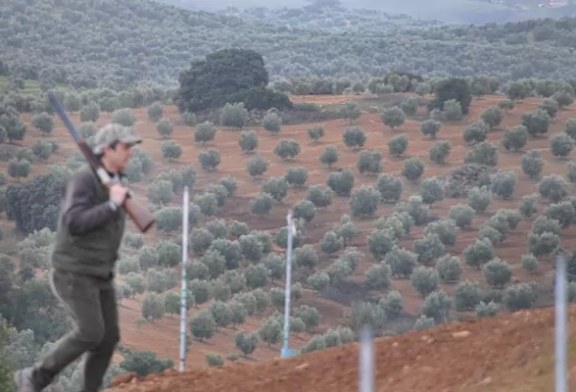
89 230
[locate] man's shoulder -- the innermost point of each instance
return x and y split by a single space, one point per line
83 175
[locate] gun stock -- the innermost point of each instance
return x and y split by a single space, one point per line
140 215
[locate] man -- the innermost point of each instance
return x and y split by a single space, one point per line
89 234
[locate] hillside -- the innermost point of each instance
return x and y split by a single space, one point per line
113 44
347 286
513 353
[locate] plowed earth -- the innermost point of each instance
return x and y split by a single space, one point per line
512 353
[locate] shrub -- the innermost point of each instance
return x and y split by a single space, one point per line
530 263
536 122
570 129
189 119
413 168
171 150
532 163
378 277
430 128
329 156
445 229
248 141
287 149
203 325
390 188
424 280
483 153
234 115
429 248
393 117
392 305
401 261
164 128
479 253
331 243
528 205
467 296
449 269
210 159
204 132
272 122
257 165
397 145
484 309
497 272
475 133
431 190
315 133
320 195
453 110
519 296
341 182
304 209
440 151
462 215
354 137
561 145
437 305
262 204
479 199
553 188
492 117
504 184
515 138
155 111
550 106
364 201
296 176
276 187
369 161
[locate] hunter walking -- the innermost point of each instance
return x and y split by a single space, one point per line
89 234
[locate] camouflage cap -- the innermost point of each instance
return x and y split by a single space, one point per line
112 133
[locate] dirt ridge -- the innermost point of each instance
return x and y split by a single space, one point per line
511 352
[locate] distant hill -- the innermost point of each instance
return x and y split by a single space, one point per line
448 11
334 19
114 43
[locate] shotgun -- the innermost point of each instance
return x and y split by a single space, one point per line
139 214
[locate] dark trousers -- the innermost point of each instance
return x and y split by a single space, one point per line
92 303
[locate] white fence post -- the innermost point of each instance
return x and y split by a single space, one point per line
561 323
291 230
184 283
366 360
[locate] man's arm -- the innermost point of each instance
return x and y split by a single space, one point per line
82 214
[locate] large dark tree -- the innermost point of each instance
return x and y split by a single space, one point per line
452 88
228 75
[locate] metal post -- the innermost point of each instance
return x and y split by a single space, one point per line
184 286
291 230
366 361
560 313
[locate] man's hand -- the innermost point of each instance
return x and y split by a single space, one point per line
118 193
